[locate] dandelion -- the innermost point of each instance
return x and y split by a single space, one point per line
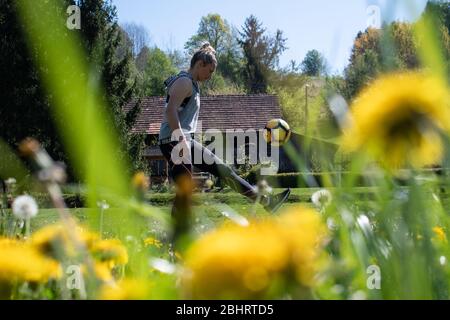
126 289
235 262
21 262
10 181
150 241
101 270
10 184
399 118
103 205
54 241
305 234
251 262
141 181
440 234
321 198
25 207
110 251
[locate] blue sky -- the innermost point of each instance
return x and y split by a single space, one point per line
329 26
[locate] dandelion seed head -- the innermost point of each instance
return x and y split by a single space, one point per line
25 207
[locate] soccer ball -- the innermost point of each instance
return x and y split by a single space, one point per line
277 132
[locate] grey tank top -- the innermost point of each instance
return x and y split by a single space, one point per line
188 111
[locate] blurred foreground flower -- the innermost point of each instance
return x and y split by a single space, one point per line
21 262
258 261
141 181
110 251
109 255
440 234
399 118
127 289
53 241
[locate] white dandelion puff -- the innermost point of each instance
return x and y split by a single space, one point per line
103 205
321 198
25 207
10 181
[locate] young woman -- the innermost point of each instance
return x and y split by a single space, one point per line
182 110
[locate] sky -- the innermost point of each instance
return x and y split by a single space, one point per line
329 26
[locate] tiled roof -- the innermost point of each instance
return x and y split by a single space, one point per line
216 112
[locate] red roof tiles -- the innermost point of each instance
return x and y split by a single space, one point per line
216 112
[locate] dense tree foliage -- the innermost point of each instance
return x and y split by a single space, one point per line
26 106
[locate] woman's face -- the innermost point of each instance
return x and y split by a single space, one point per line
205 71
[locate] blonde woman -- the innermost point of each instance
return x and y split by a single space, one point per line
181 116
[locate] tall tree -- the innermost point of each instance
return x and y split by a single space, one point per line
380 50
441 9
179 59
142 58
313 64
125 46
138 35
261 52
157 69
223 38
26 110
213 29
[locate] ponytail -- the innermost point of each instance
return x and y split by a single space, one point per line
206 54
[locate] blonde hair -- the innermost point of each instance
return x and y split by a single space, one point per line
206 54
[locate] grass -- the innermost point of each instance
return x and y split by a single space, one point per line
207 211
207 207
230 197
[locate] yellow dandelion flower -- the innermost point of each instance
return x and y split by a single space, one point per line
440 234
111 251
247 262
235 262
305 233
53 240
398 119
21 262
126 289
150 241
101 270
141 181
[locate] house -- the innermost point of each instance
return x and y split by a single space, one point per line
220 112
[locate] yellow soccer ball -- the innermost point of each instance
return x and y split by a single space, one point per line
277 132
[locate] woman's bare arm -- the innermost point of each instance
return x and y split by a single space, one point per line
180 90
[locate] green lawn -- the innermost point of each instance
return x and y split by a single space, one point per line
208 208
